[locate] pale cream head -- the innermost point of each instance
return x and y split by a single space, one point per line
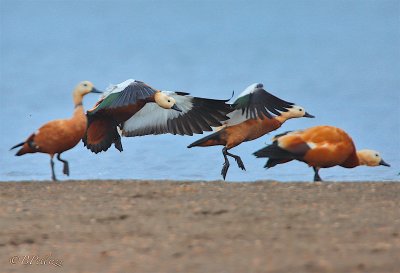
83 88
371 158
296 111
164 100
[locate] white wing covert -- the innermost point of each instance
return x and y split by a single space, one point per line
198 115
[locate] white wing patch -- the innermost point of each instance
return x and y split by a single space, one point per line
250 89
152 119
312 145
116 88
323 146
235 117
150 116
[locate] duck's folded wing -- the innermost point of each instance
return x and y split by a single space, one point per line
198 115
289 145
126 93
258 103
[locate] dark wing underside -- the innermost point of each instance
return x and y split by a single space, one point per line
198 115
206 113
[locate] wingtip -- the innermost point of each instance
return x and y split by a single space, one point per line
257 153
118 145
226 100
233 94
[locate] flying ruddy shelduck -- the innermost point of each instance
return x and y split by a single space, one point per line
58 136
319 147
138 109
251 119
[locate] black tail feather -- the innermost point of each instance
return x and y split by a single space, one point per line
18 145
214 136
282 134
273 162
275 154
273 151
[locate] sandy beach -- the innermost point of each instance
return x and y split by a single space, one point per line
167 226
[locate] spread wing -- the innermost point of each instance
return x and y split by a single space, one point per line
119 102
198 115
256 102
126 93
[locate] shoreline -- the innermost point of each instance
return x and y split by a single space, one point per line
194 181
182 226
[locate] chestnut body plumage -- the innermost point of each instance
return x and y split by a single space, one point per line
58 136
250 120
319 147
133 108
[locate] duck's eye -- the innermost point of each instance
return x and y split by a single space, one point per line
85 84
169 101
376 155
301 110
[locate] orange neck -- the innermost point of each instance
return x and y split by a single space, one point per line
364 159
282 118
78 111
78 98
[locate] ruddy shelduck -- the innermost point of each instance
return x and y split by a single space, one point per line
319 147
58 136
133 108
250 120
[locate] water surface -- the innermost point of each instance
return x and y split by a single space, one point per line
338 59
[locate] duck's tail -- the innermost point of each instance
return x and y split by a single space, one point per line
275 154
28 146
210 140
101 133
18 145
20 151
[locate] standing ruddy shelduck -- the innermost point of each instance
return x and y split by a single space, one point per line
319 147
138 109
58 136
250 120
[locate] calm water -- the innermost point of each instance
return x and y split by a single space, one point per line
338 59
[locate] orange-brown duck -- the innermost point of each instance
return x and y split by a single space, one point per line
133 108
319 147
58 136
250 120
